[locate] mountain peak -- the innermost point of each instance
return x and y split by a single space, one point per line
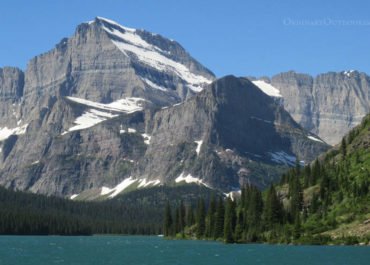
155 52
111 24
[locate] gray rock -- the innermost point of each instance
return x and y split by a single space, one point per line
237 124
328 105
11 91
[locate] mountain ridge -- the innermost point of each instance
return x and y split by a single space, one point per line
328 104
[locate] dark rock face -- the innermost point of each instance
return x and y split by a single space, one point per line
328 105
235 123
111 103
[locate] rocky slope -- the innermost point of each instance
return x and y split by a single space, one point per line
218 136
329 104
113 108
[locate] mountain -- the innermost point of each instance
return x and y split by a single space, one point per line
224 136
328 105
123 68
112 109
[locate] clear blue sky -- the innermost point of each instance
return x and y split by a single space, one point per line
237 37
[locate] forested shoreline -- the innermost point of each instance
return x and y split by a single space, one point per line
135 213
30 214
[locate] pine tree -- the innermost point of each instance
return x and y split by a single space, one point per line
167 227
229 222
296 193
344 147
211 218
239 227
177 220
297 227
314 204
307 176
182 218
220 217
200 219
254 214
273 210
297 167
189 216
316 172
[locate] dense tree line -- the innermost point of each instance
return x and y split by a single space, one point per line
25 213
243 220
137 212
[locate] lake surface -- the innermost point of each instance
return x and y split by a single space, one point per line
137 250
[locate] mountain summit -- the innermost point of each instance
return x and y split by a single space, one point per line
113 108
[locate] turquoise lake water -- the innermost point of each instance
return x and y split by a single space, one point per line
104 250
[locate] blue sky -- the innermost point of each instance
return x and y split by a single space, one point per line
229 37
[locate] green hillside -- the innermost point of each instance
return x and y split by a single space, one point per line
336 198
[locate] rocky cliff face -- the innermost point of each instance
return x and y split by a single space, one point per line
113 108
11 91
218 135
328 105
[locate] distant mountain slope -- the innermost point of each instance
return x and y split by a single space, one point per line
328 105
218 135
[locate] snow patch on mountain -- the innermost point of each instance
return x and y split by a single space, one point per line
147 138
73 196
115 24
189 179
126 105
259 119
283 158
145 183
142 183
314 139
118 189
348 73
99 112
5 132
199 146
233 195
153 85
129 42
89 119
267 88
